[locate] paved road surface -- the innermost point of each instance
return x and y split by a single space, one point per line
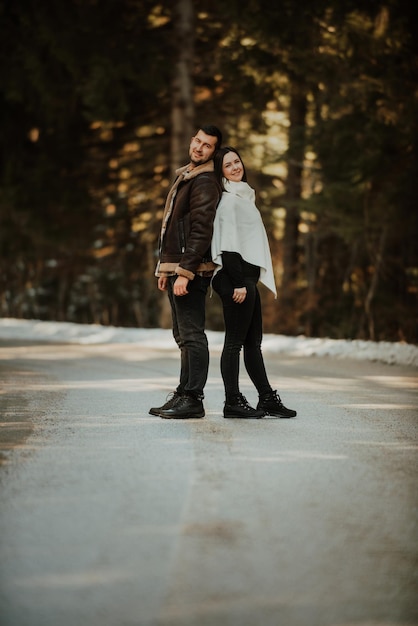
112 517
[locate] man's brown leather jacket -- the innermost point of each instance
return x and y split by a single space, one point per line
188 225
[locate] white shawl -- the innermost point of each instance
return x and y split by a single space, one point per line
238 227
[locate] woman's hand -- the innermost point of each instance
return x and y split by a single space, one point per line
239 295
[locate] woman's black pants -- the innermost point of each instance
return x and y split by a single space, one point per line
243 329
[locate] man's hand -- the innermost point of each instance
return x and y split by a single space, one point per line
180 286
162 283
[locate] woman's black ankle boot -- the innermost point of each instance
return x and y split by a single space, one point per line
237 406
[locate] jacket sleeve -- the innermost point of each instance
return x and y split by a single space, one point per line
204 198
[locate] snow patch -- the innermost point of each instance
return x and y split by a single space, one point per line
67 332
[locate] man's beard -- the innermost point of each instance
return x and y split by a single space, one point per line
197 160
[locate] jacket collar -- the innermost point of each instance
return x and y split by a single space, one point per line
195 171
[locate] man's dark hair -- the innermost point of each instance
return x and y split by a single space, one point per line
210 129
218 161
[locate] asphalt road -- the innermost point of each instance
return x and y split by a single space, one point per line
112 517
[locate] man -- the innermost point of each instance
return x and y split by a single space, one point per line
185 268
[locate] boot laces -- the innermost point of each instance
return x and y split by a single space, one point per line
186 398
171 400
273 396
242 402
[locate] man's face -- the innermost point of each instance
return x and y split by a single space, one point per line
202 148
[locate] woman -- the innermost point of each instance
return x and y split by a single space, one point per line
241 252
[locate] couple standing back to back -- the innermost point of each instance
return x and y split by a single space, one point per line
212 231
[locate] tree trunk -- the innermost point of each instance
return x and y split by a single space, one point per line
182 112
374 285
296 153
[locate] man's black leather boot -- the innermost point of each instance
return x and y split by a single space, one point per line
187 407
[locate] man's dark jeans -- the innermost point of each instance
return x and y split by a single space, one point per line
189 315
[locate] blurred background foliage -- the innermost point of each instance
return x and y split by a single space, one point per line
98 103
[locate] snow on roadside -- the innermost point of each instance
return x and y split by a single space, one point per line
67 332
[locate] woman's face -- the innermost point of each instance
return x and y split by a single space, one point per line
232 167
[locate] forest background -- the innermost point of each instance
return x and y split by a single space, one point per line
99 100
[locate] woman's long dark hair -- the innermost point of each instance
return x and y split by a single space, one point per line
218 160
